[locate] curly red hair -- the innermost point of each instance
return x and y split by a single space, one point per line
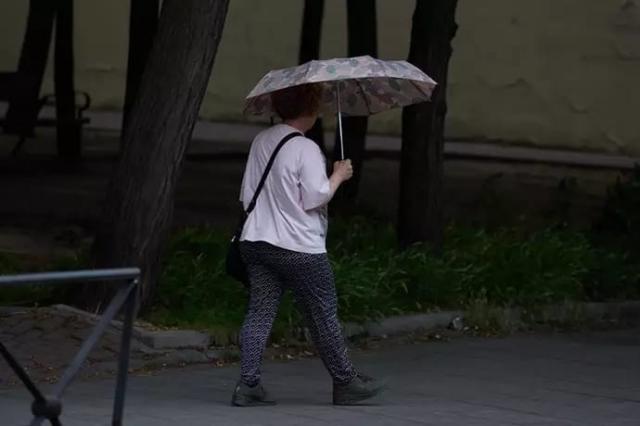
297 101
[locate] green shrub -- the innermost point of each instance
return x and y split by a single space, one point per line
194 288
613 275
501 269
614 268
24 295
619 223
512 269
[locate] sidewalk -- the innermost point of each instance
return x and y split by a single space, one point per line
240 134
581 380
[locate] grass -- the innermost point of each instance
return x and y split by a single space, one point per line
195 289
34 295
480 271
497 269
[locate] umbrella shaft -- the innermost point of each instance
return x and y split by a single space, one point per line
340 121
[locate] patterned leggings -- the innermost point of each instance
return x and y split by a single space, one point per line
310 277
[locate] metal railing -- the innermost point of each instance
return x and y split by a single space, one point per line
49 407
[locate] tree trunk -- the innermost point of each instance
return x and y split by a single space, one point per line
69 140
310 37
143 25
23 106
420 215
140 198
362 40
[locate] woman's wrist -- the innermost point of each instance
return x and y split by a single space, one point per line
334 182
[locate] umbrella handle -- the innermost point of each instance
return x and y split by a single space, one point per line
340 120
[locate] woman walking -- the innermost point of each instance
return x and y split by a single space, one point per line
283 244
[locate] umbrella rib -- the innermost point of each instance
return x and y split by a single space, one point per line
428 95
306 72
364 96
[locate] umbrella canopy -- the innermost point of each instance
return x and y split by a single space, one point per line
353 86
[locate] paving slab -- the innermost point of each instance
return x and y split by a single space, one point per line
579 379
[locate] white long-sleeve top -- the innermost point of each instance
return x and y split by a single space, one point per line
291 211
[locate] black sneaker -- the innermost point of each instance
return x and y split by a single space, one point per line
357 390
245 396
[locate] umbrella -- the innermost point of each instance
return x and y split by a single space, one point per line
352 86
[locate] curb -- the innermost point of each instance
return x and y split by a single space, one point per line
512 317
402 324
154 339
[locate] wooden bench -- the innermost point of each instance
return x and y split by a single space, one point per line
21 88
83 102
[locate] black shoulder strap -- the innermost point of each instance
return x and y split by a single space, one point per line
252 204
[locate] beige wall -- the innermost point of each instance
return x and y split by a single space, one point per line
561 73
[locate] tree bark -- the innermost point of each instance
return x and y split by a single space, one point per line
143 25
362 40
23 106
69 139
140 198
420 215
310 37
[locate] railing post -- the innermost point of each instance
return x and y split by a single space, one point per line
125 349
50 407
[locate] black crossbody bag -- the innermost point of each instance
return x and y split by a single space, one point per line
236 267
